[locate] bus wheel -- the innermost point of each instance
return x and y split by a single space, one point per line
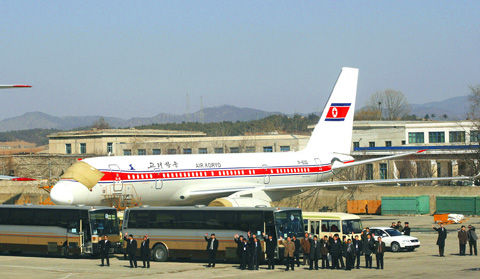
160 253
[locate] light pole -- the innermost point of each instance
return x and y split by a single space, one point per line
380 110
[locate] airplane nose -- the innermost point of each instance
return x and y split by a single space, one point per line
62 193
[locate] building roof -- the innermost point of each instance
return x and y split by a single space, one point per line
102 133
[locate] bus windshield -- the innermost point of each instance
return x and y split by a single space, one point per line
289 223
350 226
104 222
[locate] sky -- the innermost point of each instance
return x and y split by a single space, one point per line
141 58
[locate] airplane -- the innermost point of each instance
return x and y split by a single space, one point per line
240 179
14 86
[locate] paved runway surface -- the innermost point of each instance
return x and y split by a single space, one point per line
422 263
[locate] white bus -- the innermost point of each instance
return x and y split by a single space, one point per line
178 232
66 230
326 223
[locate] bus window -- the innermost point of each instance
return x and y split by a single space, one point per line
315 227
104 222
330 226
251 221
350 226
162 219
305 226
289 223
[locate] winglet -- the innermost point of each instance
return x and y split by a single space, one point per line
421 151
15 86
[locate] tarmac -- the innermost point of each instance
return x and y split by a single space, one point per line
424 262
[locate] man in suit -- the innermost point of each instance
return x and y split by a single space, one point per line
462 240
105 246
212 247
315 252
145 251
472 239
245 254
256 248
349 255
379 251
305 243
289 252
297 250
406 230
368 248
357 248
270 247
131 249
336 251
239 241
324 250
442 235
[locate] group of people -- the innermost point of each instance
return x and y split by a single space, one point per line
398 226
463 235
131 249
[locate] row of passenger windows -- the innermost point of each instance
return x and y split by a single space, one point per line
219 173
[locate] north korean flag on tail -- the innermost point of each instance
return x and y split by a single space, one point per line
337 111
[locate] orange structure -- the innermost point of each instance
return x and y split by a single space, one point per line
364 206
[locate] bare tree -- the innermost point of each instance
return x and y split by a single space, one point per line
389 104
101 123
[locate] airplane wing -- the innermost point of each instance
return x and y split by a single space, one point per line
323 185
15 178
341 165
15 86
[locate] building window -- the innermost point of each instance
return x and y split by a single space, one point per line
383 171
68 148
284 148
267 149
356 144
187 151
436 137
141 152
474 136
457 136
127 152
83 148
250 149
218 150
202 151
109 147
371 144
404 142
234 150
369 169
388 143
171 151
439 169
156 151
416 137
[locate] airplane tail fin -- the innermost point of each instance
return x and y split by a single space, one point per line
333 132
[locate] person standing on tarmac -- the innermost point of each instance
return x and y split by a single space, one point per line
462 240
131 249
406 229
289 252
105 246
305 243
442 235
297 250
239 241
472 239
212 247
270 247
145 251
315 253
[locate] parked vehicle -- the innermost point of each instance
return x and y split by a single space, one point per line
395 240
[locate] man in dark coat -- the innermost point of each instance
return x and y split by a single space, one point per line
256 251
472 239
357 248
245 255
105 246
442 235
406 230
368 248
462 240
379 252
349 254
336 251
131 250
145 251
324 250
239 241
270 247
315 252
296 255
212 247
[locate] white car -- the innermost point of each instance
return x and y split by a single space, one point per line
395 240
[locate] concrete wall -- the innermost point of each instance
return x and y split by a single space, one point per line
20 192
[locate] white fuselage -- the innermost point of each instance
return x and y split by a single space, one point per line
169 179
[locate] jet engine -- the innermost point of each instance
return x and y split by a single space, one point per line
239 202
